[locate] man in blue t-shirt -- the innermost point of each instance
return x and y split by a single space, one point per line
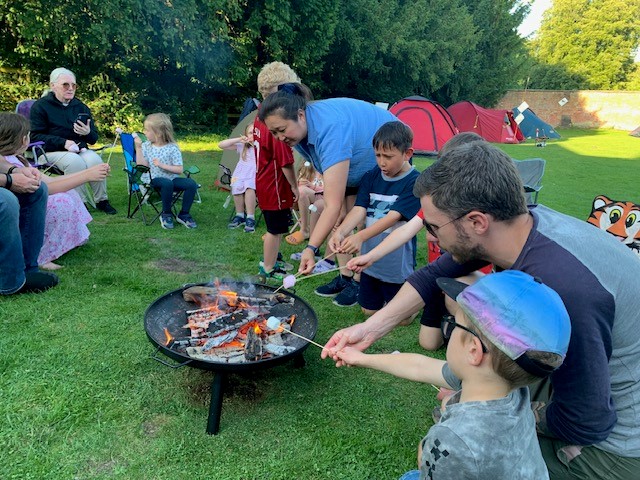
385 202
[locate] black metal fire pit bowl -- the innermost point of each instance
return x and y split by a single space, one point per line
169 311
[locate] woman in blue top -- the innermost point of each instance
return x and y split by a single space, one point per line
336 136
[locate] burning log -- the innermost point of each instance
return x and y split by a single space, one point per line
220 340
222 354
201 295
253 347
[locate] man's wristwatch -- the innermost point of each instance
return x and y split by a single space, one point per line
315 250
8 182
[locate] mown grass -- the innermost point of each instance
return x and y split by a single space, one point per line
80 397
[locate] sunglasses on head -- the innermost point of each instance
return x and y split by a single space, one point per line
433 229
449 324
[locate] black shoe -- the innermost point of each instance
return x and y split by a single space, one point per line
37 282
349 296
105 206
332 288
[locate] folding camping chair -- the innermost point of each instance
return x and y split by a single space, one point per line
35 150
531 172
139 185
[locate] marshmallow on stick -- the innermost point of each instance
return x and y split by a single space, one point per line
274 324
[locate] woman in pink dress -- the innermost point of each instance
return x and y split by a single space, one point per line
67 218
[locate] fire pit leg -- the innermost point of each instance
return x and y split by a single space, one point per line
215 407
299 361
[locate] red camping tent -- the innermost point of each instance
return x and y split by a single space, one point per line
431 123
493 125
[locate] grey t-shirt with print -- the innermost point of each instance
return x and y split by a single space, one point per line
492 440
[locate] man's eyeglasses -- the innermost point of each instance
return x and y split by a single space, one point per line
447 326
69 86
433 229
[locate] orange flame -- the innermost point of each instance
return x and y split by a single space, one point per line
167 336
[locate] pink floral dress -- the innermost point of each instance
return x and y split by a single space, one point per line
65 226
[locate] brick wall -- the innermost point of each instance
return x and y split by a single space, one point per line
585 108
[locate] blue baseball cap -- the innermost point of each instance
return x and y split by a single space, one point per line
517 313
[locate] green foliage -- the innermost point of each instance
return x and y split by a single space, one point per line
197 59
415 48
593 40
494 61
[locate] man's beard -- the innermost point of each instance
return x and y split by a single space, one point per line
462 252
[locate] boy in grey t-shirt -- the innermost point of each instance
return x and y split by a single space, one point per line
511 331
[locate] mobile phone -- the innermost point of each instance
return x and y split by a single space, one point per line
83 117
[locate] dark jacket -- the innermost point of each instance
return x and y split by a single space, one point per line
52 123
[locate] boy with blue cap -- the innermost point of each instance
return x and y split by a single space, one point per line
511 331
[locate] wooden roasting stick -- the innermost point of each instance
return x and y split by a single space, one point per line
297 275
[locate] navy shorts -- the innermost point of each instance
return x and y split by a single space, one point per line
375 293
351 191
278 221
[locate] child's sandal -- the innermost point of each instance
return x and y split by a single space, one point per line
296 238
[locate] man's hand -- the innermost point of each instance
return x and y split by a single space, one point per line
83 129
358 336
71 146
22 183
30 172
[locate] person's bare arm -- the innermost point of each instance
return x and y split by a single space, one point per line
23 179
394 240
63 183
290 175
335 184
353 243
354 218
362 335
140 159
230 143
412 366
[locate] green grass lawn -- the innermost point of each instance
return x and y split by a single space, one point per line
81 397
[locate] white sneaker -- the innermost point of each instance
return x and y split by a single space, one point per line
323 266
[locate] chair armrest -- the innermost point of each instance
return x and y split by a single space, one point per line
191 170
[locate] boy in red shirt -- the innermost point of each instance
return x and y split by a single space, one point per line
276 183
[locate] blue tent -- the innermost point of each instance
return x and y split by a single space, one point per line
532 126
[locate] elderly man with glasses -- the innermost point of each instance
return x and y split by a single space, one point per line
66 127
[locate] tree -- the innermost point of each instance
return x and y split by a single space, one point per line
591 39
496 62
385 49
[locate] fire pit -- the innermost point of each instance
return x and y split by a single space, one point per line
223 328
